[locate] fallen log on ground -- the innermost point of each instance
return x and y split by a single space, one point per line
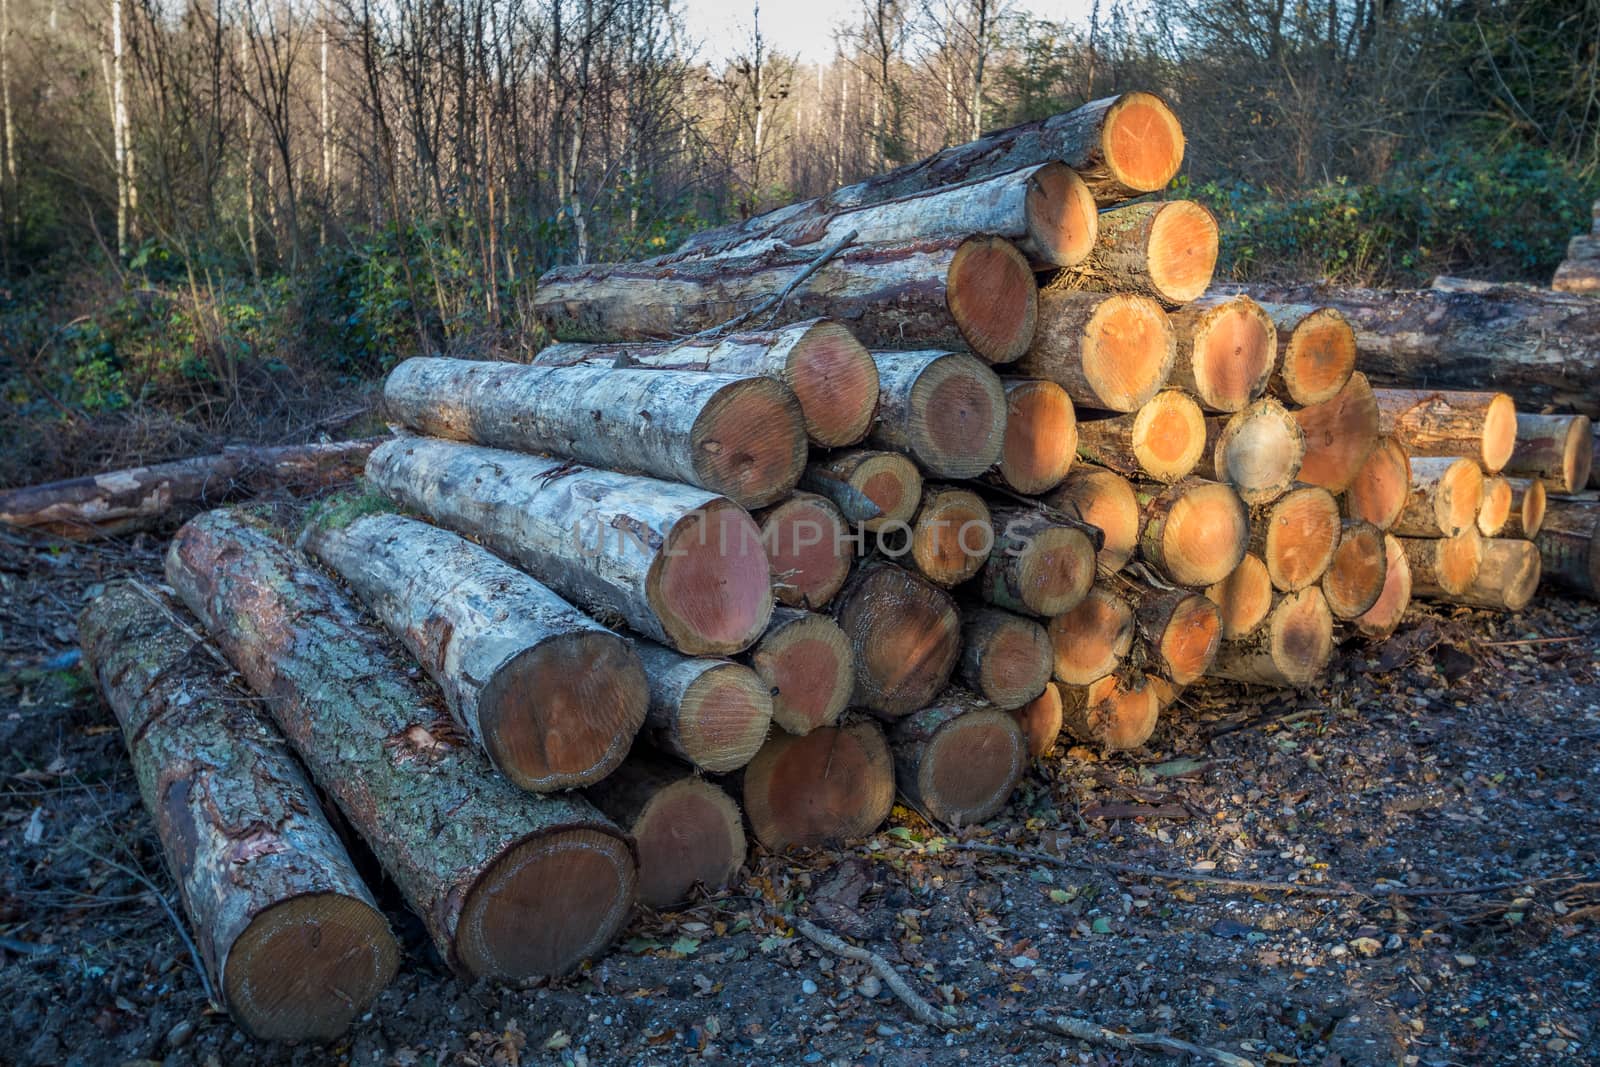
905 637
1005 658
945 410
1557 449
1227 347
871 487
807 545
958 760
1340 434
1162 441
1482 426
1195 532
1111 352
1381 489
712 713
1354 579
1089 641
834 784
1507 579
1041 436
1105 500
804 661
1166 250
1290 650
1444 566
1257 450
1383 618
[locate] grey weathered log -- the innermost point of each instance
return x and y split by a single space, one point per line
945 410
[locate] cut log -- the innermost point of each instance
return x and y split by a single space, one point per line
552 697
1163 440
1195 532
1296 536
951 535
1569 546
804 660
1383 618
1495 510
1257 450
1005 658
1354 579
1444 499
1040 720
905 637
680 565
713 713
953 293
294 943
1580 271
809 549
1507 579
1103 499
1166 690
1480 425
1039 565
1115 712
1292 649
689 831
510 885
1112 352
1526 515
871 488
1183 630
1444 565
832 785
1556 449
1162 249
1243 598
1381 488
827 369
1227 349
945 410
1041 436
958 761
1090 641
1594 469
1316 352
103 505
1340 434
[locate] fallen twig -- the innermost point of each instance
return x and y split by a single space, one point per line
776 301
925 1013
1084 1030
1533 641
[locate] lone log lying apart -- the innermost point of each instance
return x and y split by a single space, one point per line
951 293
1480 425
1162 249
1112 352
950 535
509 885
689 831
102 505
945 410
294 943
1444 566
1316 352
1183 631
1382 487
1038 565
1227 347
1041 436
1383 618
1569 545
1040 720
713 713
1296 536
958 761
1557 449
1162 441
1354 579
804 661
869 487
1105 500
741 437
1291 649
1257 450
682 566
1444 498
1507 579
1088 642
551 696
1243 598
1115 712
828 370
1006 659
1526 515
834 784
806 542
1495 509
905 636
1195 532
1340 434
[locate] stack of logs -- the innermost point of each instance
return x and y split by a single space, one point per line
768 525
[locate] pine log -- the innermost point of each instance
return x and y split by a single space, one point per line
553 698
1316 352
1526 515
951 534
509 885
1381 488
1557 449
1115 712
689 831
1495 510
712 713
1005 658
1444 498
1444 565
804 661
1243 598
945 410
1291 650
1257 450
958 293
1383 618
1040 720
1090 641
1227 348
1166 250
827 369
1507 579
1039 565
1354 579
1569 545
834 784
1480 425
1183 630
905 637
808 548
680 565
870 488
1112 352
958 760
1340 434
1296 536
293 941
1041 436
1103 499
1194 532
103 505
1164 440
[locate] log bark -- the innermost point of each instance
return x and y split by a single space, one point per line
905 637
958 760
1444 498
1194 532
1257 450
945 410
1482 426
828 370
1296 536
1355 577
1316 352
951 535
1005 658
103 505
1381 488
1105 500
808 548
1580 271
1291 650
1227 349
680 565
804 661
1495 510
1243 598
1526 516
293 941
509 885
1444 565
871 488
1507 579
1340 434
1569 545
1040 720
553 698
1115 713
957 293
1383 618
1039 565
1090 641
1163 441
1557 449
712 713
834 784
741 437
1041 436
1111 352
1166 250
689 831
1183 630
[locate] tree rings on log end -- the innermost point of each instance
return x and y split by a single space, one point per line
1188 642
1318 357
1090 640
1115 713
1127 351
1233 348
1142 142
723 717
1258 451
1055 570
807 547
1301 629
1340 435
1006 658
1301 532
1355 576
1105 499
807 666
689 833
1526 517
1495 510
1040 720
1383 618
1499 433
836 381
750 442
993 298
834 784
1182 253
1041 436
951 536
970 766
957 417
905 634
1201 535
711 585
1169 436
1062 217
1243 598
1380 488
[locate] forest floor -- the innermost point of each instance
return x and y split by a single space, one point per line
1416 844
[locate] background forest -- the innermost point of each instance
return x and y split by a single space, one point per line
223 219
